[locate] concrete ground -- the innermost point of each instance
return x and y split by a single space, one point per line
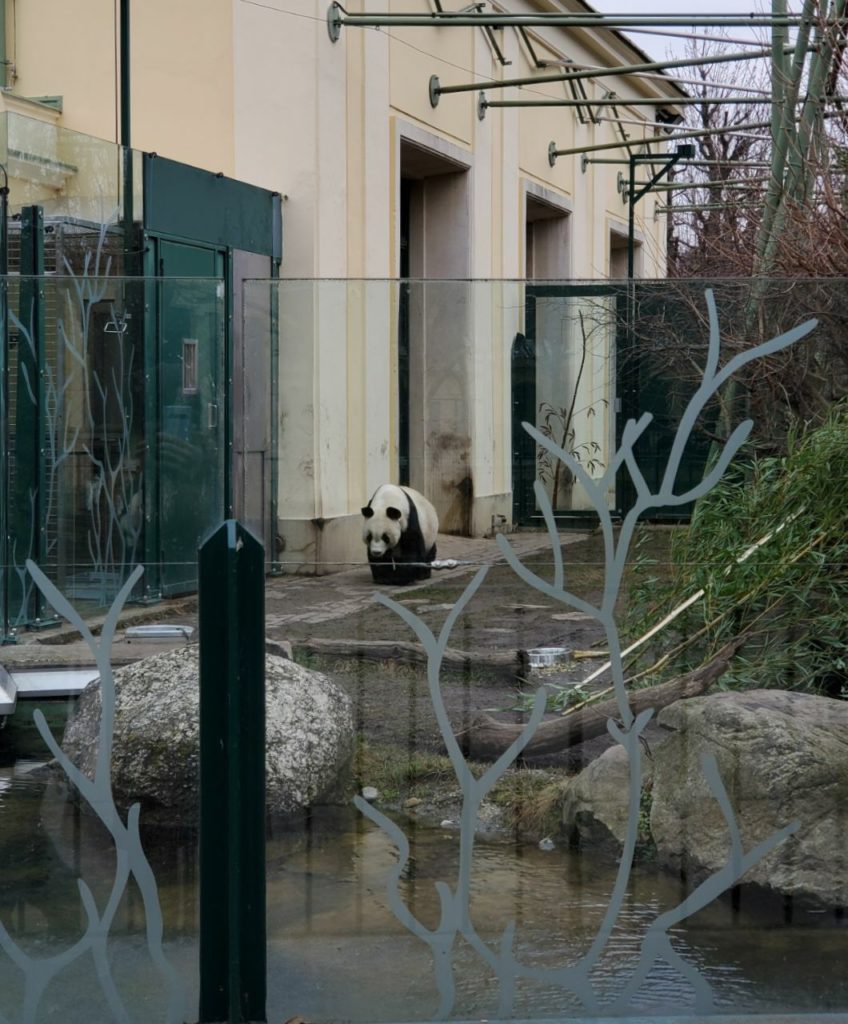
294 606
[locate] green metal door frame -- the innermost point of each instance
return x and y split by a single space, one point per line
26 515
635 382
192 206
153 276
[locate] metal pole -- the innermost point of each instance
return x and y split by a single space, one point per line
689 163
337 18
735 129
636 190
232 776
4 407
437 90
30 410
631 222
553 152
674 186
126 105
125 72
697 208
633 196
639 101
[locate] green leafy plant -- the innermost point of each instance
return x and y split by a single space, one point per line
768 547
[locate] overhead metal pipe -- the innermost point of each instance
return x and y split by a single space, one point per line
437 89
736 129
698 36
698 207
622 101
570 66
676 186
689 163
553 152
338 17
658 76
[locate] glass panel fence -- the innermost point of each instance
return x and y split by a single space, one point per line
581 758
115 424
114 429
553 721
76 179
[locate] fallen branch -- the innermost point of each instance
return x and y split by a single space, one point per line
487 737
511 663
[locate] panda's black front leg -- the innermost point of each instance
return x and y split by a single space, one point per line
388 571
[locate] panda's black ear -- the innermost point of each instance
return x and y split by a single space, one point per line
367 511
393 513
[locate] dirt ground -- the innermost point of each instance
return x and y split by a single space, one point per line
506 615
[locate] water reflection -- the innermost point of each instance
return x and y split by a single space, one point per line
335 949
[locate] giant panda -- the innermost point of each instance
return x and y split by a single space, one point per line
399 529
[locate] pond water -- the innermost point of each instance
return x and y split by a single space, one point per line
335 950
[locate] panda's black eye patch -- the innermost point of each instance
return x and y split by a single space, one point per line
393 513
368 537
367 511
386 539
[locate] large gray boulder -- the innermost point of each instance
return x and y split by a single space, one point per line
155 752
596 803
782 757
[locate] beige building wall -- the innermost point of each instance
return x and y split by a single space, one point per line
263 94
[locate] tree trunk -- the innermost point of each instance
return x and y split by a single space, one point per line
487 738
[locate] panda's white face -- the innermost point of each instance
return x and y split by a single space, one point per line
382 529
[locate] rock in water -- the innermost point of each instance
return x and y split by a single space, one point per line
155 752
782 757
596 803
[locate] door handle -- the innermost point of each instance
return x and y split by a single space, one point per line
212 415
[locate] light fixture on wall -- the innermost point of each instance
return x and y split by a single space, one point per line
667 119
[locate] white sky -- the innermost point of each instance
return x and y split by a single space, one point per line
661 46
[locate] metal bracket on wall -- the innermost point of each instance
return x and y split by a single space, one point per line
334 22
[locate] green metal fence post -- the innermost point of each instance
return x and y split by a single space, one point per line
232 776
26 521
4 397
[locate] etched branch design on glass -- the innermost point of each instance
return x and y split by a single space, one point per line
131 862
576 978
83 412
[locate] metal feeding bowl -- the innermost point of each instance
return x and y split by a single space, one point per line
547 657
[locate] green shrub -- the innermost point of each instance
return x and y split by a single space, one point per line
788 596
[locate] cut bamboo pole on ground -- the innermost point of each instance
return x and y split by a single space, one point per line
487 738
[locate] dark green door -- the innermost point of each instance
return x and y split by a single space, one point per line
192 407
523 364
